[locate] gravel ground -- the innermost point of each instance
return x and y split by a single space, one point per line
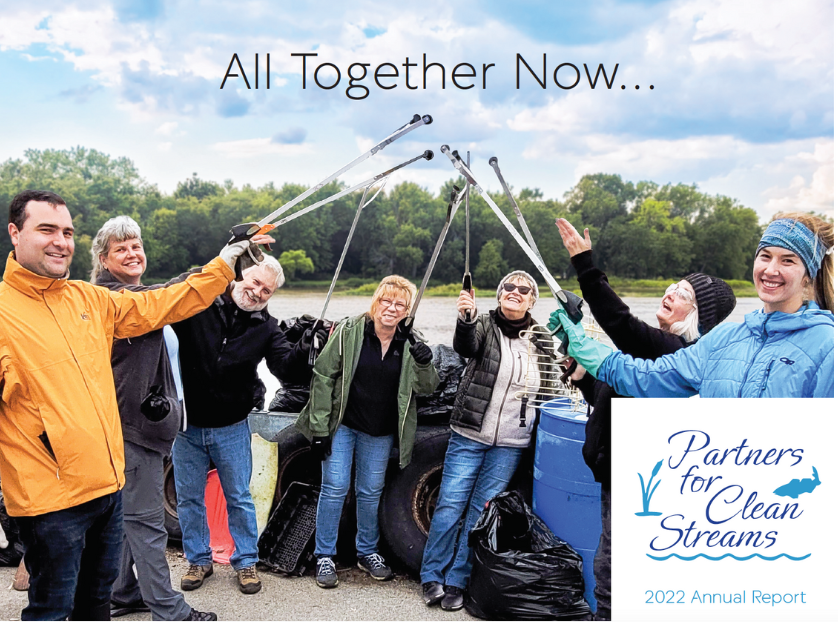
358 597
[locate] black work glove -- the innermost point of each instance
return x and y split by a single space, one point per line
155 406
321 447
321 333
421 353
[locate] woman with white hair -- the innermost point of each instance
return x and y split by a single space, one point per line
149 394
487 435
689 308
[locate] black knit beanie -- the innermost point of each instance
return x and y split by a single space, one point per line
714 299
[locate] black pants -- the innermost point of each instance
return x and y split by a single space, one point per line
72 557
602 562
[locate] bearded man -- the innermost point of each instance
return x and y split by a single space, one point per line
220 349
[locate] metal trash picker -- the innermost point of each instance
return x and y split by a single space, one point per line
406 325
467 273
458 163
573 305
245 231
383 177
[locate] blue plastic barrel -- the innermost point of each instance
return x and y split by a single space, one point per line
565 495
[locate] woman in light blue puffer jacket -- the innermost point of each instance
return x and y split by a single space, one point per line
785 349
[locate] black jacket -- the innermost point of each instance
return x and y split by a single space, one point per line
220 349
631 335
138 364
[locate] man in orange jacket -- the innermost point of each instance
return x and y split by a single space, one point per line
61 448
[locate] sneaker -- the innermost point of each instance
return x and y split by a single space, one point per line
194 577
203 616
326 575
249 582
119 609
375 566
432 592
453 599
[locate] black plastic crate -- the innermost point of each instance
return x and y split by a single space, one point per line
287 544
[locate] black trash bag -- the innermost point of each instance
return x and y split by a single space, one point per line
291 396
521 570
13 553
436 408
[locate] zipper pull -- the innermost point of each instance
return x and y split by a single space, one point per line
523 416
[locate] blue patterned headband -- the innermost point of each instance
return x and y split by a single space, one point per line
799 239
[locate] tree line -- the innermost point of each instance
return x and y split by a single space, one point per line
639 230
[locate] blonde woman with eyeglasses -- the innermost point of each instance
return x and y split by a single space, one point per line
363 400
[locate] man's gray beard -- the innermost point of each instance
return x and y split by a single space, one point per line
244 303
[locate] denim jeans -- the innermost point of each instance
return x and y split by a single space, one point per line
472 474
72 557
229 449
602 561
371 453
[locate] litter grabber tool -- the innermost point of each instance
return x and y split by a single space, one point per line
467 274
246 231
427 155
573 304
560 295
406 325
315 341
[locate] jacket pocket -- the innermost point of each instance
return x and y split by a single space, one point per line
47 445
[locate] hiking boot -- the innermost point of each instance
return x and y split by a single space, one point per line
375 566
432 592
249 582
326 575
453 599
203 616
119 609
194 577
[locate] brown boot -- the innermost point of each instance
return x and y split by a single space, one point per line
249 582
194 577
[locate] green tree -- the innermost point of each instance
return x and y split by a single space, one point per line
295 262
491 267
198 188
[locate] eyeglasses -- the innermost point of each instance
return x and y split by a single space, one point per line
398 305
679 291
511 287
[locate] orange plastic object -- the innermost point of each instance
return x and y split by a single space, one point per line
265 229
221 542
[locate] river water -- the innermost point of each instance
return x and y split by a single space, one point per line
436 316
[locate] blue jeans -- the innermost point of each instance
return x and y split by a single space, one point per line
371 453
72 557
229 449
472 474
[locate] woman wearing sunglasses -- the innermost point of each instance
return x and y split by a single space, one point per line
363 400
688 309
785 349
488 434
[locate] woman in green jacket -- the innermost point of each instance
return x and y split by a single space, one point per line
362 401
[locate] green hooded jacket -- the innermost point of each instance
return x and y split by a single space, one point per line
333 373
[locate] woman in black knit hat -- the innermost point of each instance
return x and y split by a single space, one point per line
688 309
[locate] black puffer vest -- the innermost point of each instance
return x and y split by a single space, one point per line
479 342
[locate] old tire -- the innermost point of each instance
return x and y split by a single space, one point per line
410 497
170 502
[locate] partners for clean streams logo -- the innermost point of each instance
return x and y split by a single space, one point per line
733 515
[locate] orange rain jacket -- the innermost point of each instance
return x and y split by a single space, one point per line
60 433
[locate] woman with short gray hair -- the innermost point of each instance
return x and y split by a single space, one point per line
147 379
489 431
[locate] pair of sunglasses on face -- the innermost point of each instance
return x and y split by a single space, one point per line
511 287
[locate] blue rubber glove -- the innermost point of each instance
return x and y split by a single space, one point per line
588 353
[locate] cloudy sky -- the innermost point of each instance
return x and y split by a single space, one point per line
742 102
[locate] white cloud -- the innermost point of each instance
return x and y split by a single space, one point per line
808 193
258 147
166 129
164 147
